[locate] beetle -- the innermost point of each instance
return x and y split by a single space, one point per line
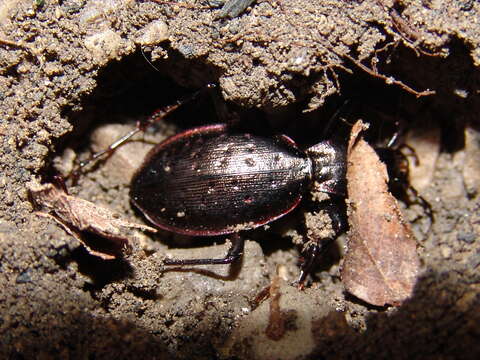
213 180
209 181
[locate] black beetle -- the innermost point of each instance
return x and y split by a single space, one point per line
205 181
211 180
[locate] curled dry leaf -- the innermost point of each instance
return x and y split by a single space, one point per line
381 263
77 215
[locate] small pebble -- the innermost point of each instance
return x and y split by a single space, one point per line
446 252
24 277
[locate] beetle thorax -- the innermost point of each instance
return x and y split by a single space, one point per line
328 167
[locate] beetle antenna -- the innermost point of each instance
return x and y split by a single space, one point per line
333 118
147 60
163 112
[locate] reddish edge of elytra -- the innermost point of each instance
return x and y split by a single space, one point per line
208 129
222 231
287 140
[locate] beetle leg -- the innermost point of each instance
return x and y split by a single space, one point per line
317 244
141 126
234 253
308 264
311 256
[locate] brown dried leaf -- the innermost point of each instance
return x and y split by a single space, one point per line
76 215
381 263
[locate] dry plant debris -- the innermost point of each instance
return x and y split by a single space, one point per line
77 215
276 321
381 264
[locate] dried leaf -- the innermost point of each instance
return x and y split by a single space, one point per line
76 215
381 263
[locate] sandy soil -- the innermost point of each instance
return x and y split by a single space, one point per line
75 74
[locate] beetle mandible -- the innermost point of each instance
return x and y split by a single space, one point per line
211 180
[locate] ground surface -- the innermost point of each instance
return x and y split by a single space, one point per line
69 67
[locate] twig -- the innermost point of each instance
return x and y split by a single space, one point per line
20 45
406 30
13 44
389 79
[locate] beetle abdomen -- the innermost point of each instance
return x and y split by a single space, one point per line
205 181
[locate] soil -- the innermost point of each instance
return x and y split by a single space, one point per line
72 71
